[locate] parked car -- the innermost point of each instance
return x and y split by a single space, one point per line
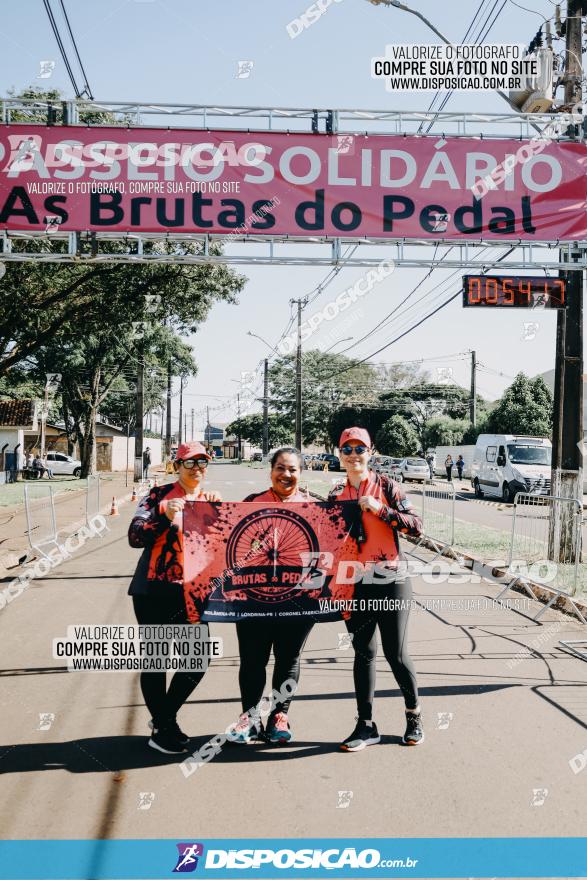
257 456
64 464
412 469
375 463
320 460
391 467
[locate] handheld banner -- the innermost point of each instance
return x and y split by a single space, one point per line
247 560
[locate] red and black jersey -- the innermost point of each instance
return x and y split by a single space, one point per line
161 563
396 515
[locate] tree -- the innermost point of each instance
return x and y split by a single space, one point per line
328 381
81 320
369 417
419 404
444 431
525 408
97 370
250 428
397 437
43 300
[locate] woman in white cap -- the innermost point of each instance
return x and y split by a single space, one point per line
157 585
385 511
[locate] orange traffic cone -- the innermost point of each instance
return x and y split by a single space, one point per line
133 497
114 507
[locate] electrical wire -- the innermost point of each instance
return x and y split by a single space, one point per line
87 88
57 35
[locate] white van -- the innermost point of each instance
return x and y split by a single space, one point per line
505 464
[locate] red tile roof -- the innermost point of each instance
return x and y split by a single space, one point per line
17 413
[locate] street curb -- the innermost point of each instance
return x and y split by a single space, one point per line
543 594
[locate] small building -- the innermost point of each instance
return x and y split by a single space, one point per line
16 418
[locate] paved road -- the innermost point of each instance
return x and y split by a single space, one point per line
500 730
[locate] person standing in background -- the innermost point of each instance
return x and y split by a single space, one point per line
460 466
448 465
146 463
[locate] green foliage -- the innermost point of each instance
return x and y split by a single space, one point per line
525 408
251 429
371 418
80 319
329 381
397 437
444 431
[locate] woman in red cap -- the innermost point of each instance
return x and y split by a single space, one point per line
157 585
257 637
385 511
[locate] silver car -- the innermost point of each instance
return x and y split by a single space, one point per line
391 467
413 469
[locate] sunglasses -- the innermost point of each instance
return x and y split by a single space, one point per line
191 463
348 450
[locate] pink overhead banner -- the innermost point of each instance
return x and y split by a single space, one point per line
110 179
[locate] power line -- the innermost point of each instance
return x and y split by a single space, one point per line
87 88
55 29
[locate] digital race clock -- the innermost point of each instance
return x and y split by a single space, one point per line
514 291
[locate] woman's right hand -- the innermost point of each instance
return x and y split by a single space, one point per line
174 506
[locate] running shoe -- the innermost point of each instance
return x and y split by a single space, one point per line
365 734
164 740
244 731
278 729
174 728
414 734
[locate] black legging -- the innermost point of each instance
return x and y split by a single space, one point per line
256 638
393 626
164 703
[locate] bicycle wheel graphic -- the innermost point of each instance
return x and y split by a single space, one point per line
270 538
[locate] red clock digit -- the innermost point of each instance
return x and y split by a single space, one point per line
491 285
474 290
525 288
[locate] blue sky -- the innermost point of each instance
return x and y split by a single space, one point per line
188 51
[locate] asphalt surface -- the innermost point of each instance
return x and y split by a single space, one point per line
501 724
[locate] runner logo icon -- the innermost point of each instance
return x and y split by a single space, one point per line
187 859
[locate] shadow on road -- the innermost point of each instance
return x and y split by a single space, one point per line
113 754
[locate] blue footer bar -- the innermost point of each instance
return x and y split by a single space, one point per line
313 857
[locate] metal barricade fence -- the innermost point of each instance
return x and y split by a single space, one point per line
438 516
539 553
92 497
39 504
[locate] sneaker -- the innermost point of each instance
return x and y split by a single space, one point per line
365 734
244 731
278 729
174 728
164 740
414 734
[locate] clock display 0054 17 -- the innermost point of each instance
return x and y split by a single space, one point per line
514 291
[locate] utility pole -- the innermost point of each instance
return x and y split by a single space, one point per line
185 428
298 422
139 412
180 408
567 464
473 400
192 431
265 407
168 414
238 418
208 432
